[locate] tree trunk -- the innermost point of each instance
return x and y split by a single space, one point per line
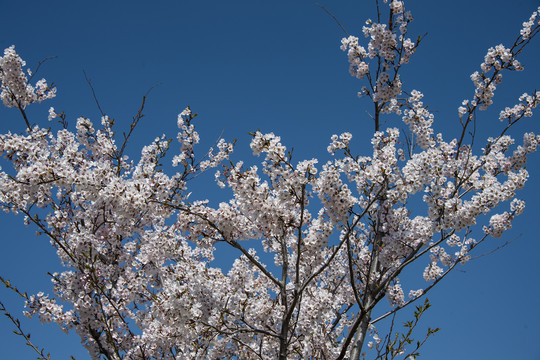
360 336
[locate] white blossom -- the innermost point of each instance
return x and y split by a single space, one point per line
317 242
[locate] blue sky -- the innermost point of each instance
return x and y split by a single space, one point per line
276 66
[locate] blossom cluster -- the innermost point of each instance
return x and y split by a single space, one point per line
317 244
391 50
498 58
528 29
14 86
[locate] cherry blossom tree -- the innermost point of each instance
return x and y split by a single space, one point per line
320 245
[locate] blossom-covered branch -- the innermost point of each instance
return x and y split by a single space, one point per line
319 244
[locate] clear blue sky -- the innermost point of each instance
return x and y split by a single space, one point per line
276 66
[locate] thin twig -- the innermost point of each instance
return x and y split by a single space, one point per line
496 249
38 66
93 93
333 17
20 332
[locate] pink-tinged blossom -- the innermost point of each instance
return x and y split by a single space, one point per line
395 295
341 142
396 6
432 272
314 241
356 53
